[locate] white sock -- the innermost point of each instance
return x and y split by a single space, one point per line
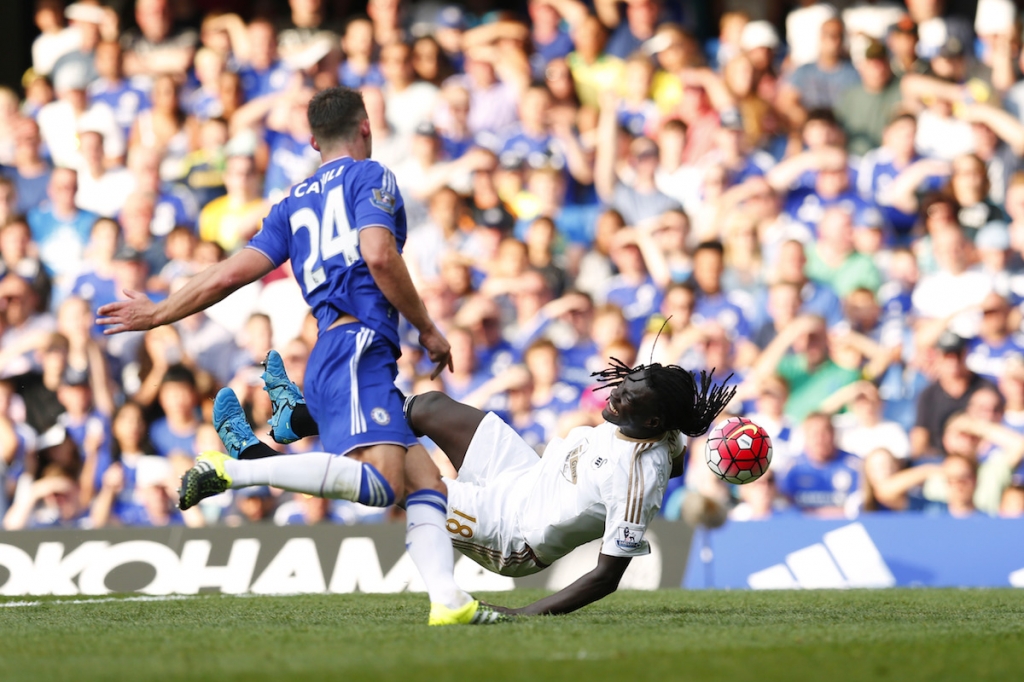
430 547
313 473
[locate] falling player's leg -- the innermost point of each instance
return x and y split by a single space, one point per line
447 422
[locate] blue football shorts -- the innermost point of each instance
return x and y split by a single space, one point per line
350 391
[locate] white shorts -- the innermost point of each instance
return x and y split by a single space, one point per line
482 519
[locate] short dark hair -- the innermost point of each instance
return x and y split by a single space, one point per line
179 374
710 245
335 113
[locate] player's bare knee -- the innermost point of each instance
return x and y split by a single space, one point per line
425 406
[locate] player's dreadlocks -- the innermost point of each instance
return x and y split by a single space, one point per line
688 408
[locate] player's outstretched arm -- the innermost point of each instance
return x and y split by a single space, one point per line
213 284
379 250
597 584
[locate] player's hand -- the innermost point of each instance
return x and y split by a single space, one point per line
138 313
438 350
504 609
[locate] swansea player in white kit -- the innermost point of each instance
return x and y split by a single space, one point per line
515 513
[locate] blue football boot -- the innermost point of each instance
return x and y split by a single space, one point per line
231 424
284 397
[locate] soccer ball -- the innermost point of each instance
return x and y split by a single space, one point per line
738 451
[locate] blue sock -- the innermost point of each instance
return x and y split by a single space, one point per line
374 489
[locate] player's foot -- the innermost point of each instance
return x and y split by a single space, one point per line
284 396
205 479
231 424
473 613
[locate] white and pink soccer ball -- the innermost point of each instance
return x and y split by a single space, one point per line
738 451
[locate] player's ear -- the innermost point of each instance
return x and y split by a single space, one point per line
313 143
364 127
653 422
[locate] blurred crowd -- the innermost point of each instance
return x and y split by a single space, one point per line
834 222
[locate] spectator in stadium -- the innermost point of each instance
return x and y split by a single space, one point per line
87 428
407 102
52 501
817 297
862 428
358 69
713 302
1011 388
996 340
139 242
822 478
164 126
59 227
833 260
86 20
175 432
956 286
593 70
640 200
466 378
176 204
102 188
820 85
901 42
801 354
429 61
38 387
15 257
632 290
261 71
55 38
157 46
29 172
203 102
822 180
1012 506
865 108
885 486
86 357
550 40
112 89
638 26
768 412
947 395
551 397
896 158
23 324
250 505
8 197
202 169
783 306
759 500
231 220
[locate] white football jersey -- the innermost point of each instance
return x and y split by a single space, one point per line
594 483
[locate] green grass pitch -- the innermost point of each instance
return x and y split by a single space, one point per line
672 635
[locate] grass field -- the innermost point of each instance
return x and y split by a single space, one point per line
673 635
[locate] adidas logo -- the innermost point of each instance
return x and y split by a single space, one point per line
846 557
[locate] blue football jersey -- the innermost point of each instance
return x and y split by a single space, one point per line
317 226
